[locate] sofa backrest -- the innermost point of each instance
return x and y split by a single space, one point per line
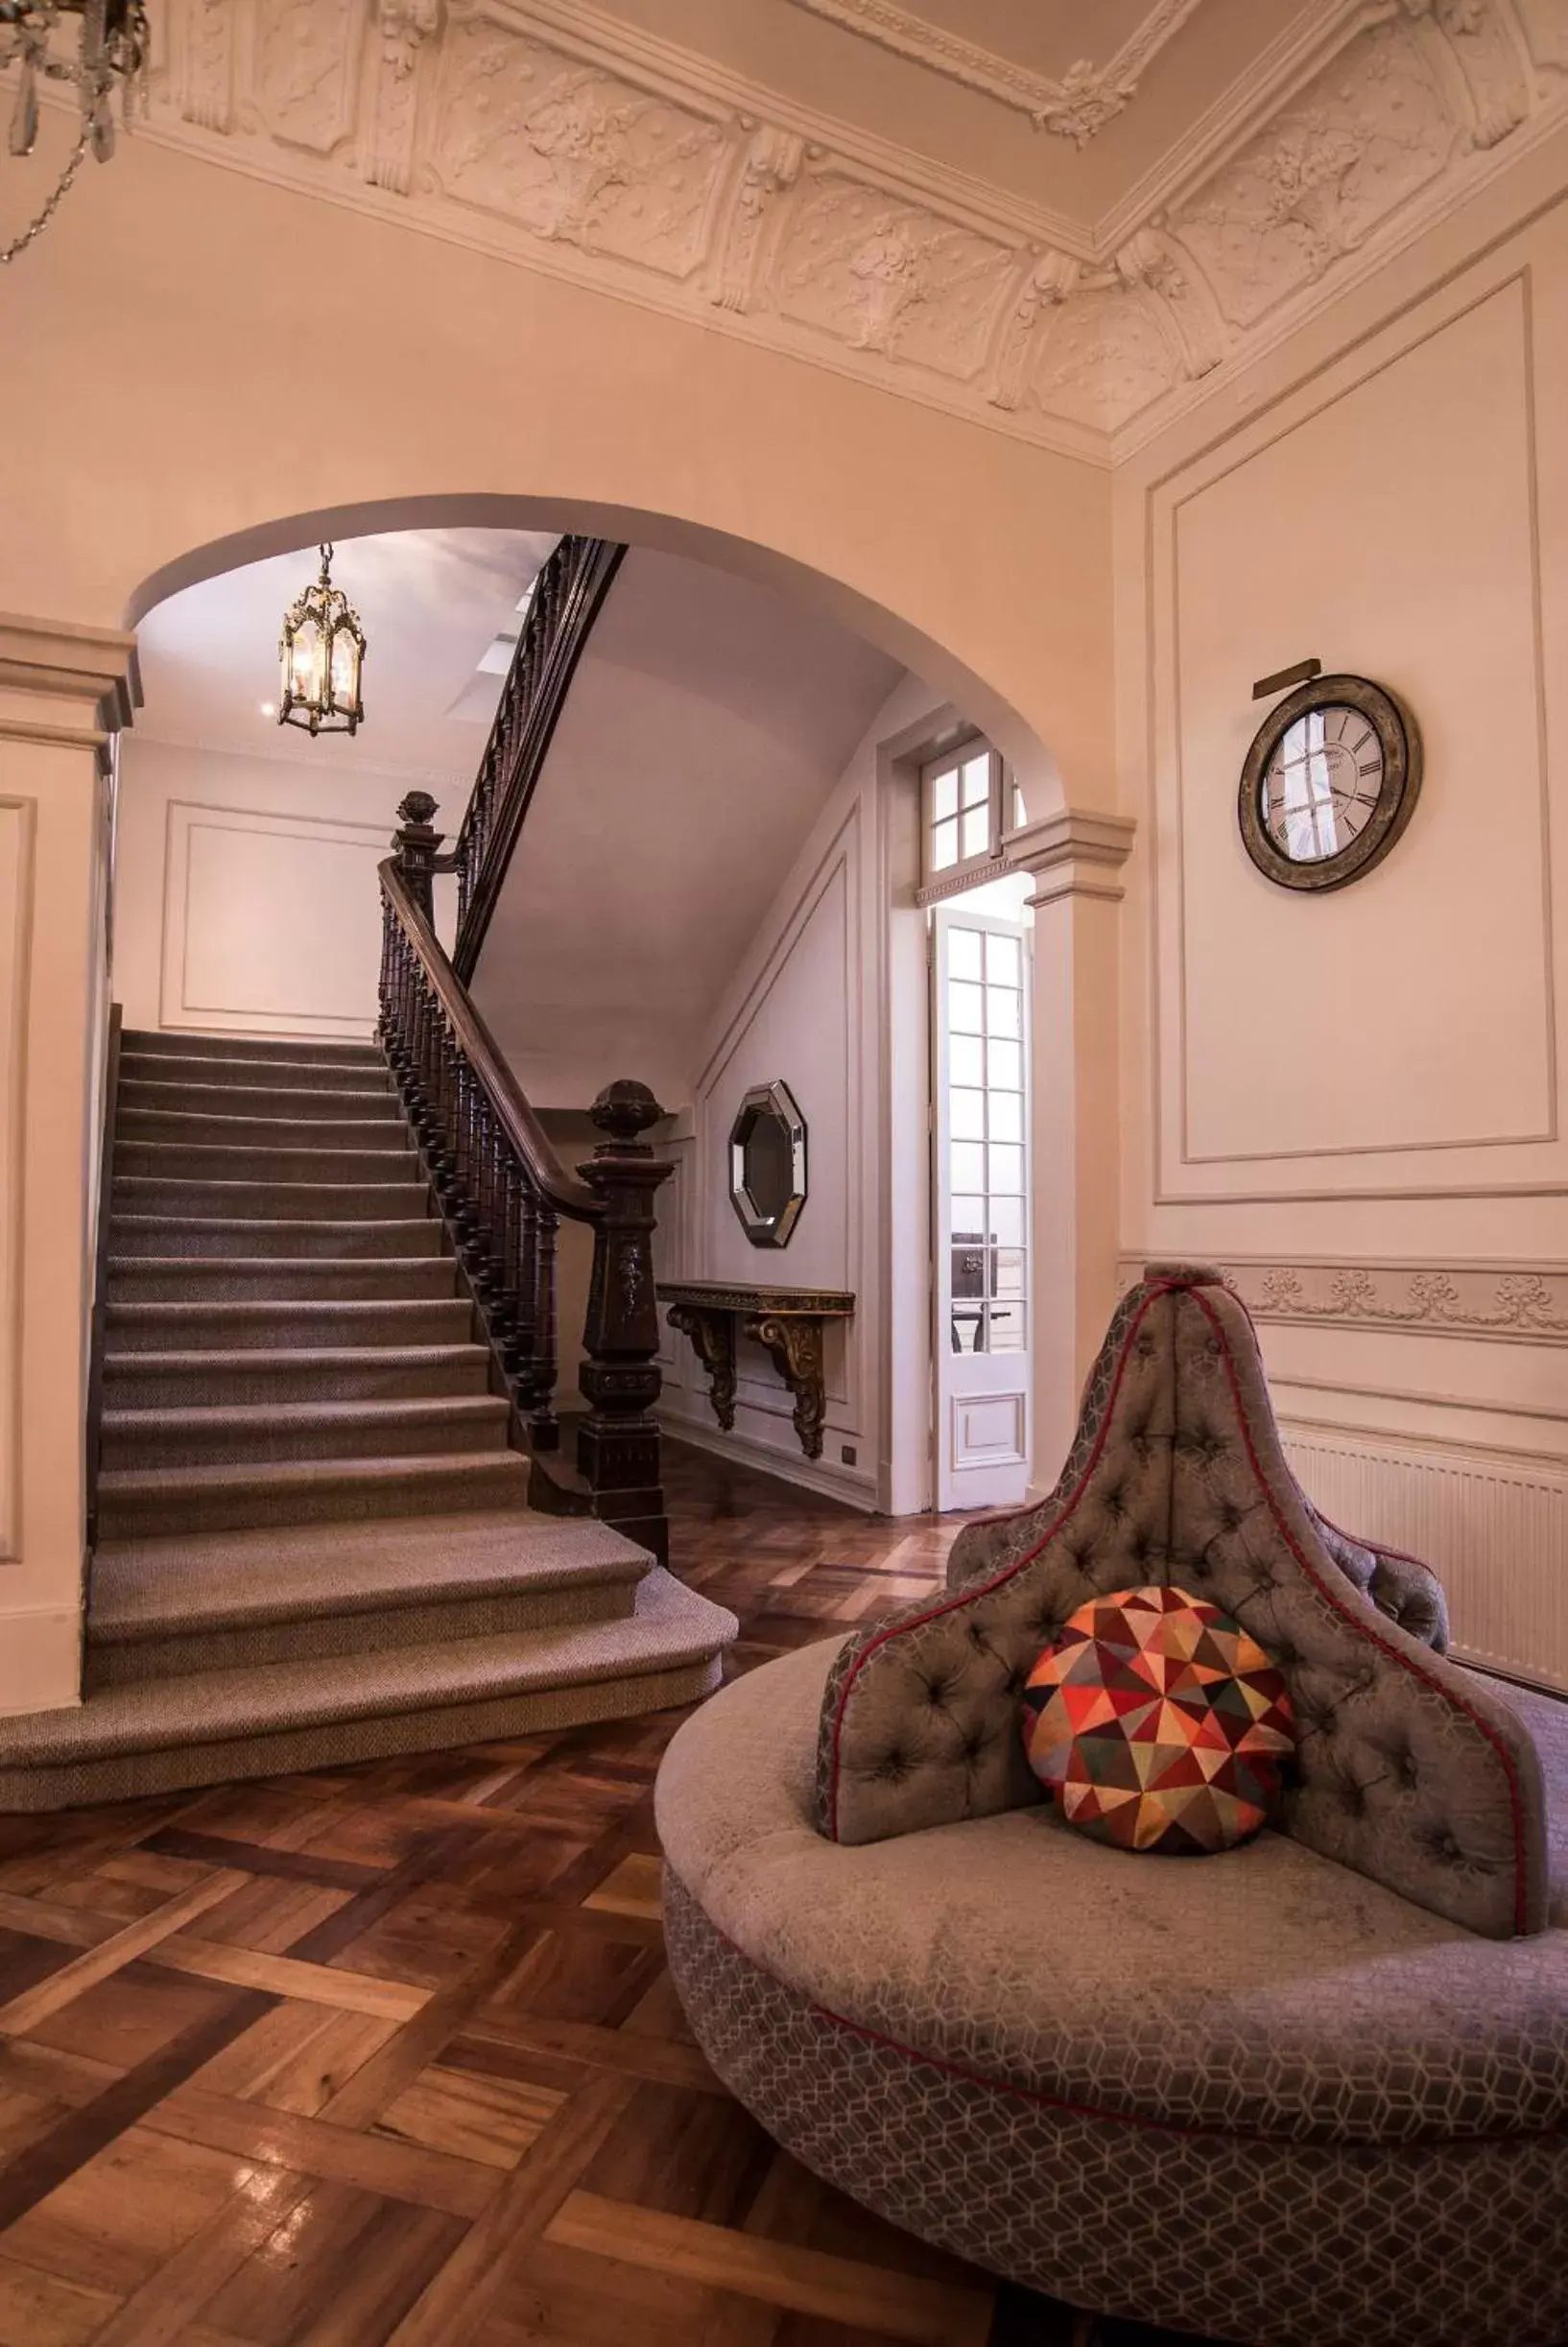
1408 1770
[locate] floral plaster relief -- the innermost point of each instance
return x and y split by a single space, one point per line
1104 359
306 68
889 276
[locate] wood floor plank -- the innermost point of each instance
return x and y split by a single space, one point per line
163 2310
370 2163
915 2310
350 1992
43 2310
121 1948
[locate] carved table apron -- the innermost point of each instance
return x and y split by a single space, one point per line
789 1321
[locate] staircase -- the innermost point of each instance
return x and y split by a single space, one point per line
314 1539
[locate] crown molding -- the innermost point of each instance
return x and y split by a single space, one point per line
550 134
59 662
1075 852
1525 1303
1075 107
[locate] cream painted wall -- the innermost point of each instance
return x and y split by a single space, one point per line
246 897
1356 1103
830 1000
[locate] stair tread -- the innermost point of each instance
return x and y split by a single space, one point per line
221 1267
282 1475
262 1226
257 1359
239 1417
159 1312
669 1624
181 1584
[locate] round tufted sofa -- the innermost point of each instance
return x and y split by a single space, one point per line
1309 2093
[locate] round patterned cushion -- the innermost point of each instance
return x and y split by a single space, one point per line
1158 1724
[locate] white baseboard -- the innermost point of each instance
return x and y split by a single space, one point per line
830 1482
40 1659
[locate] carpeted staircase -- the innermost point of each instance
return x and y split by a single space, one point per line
314 1545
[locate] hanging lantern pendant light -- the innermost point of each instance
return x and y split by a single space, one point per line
323 651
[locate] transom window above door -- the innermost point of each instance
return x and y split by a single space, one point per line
968 800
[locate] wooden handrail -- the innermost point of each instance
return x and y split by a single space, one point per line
566 599
473 1038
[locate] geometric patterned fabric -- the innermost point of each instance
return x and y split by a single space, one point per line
1160 1724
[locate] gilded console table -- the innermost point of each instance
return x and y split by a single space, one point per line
789 1321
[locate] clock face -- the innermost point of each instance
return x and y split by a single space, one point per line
1329 783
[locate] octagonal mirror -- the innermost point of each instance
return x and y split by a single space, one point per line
767 1164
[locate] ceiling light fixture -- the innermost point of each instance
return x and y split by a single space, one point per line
323 651
112 50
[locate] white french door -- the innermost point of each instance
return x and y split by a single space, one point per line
980 1025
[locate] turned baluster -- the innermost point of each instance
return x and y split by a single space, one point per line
544 1426
618 1442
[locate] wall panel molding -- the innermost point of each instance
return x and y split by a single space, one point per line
1521 1302
17 819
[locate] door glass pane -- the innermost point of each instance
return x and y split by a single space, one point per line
944 845
1004 1011
1002 961
1007 1221
969 1328
966 1218
965 1007
1006 1115
966 1115
963 953
976 781
977 830
969 1165
1006 1169
1005 1063
968 1271
1008 1276
966 1059
944 795
1005 1328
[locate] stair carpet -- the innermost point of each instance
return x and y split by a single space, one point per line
314 1545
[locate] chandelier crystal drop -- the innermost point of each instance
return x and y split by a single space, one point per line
323 651
111 51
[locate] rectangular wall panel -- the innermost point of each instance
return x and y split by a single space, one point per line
1494 1530
15 918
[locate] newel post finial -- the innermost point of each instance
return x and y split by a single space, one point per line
417 846
618 1442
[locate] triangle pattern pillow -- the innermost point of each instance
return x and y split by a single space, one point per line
1159 1724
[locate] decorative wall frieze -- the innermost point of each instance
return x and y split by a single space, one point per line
1526 1302
557 136
1081 103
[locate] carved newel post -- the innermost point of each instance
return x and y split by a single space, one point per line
417 847
618 1442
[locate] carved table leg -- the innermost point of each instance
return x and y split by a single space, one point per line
796 1349
713 1341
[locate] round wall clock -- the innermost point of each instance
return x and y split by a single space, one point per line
1329 782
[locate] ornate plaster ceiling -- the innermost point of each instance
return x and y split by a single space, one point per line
572 138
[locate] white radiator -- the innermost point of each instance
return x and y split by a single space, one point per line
1494 1530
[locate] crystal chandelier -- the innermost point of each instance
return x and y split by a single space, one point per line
113 48
323 651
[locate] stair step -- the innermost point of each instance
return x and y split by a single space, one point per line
184 1070
209 1727
391 1201
230 1601
294 1373
224 1327
256 1434
175 1279
153 1043
192 1161
388 1129
157 1236
136 1503
297 1103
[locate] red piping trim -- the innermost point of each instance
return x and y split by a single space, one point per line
968 1596
1363 1629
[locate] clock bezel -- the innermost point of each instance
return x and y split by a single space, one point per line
1400 741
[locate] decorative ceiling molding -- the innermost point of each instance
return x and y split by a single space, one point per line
1081 103
551 134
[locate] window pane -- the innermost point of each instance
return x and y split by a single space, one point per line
1002 961
966 1115
944 793
977 780
1006 1219
963 1008
969 1165
1006 1061
968 1271
944 845
1008 1274
977 830
967 1218
963 953
966 1062
1004 1010
969 1328
1007 1174
1007 1116
1006 1330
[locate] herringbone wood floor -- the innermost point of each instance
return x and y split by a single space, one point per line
391 2058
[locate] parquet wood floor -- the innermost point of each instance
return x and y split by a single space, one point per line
391 2058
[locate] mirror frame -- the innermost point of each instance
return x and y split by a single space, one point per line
777 1104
